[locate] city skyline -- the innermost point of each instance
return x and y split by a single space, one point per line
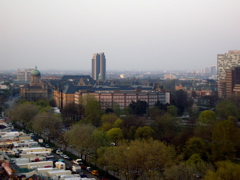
155 35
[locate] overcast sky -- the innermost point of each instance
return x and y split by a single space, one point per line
133 34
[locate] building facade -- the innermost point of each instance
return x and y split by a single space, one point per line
232 81
225 62
24 74
213 70
36 89
123 98
99 66
64 91
109 95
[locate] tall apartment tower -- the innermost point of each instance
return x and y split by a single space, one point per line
99 66
226 62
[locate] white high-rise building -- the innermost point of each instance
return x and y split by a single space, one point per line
227 61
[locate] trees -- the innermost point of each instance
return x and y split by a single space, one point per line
196 145
107 121
149 160
225 170
193 111
207 117
130 124
172 110
73 111
48 124
24 113
161 106
64 139
43 105
165 127
115 134
225 140
205 124
81 136
181 100
93 111
145 132
190 171
226 108
154 112
138 108
100 140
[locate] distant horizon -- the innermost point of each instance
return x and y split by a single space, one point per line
108 71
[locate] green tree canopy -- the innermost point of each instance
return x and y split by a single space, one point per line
73 111
100 138
107 121
93 111
172 110
154 112
205 124
145 132
149 160
115 134
196 145
138 108
118 123
181 100
225 170
165 127
48 124
207 117
81 136
24 113
190 171
225 140
226 108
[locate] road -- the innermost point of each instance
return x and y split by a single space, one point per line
69 166
70 163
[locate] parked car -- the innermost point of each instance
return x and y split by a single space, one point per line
78 161
89 169
61 160
62 155
101 177
47 146
94 172
83 175
59 152
83 166
65 156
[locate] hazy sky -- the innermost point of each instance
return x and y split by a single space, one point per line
133 34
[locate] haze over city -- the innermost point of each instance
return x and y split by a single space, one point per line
134 35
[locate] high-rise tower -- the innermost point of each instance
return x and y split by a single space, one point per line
99 66
226 62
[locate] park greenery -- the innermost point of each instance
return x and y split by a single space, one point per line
142 142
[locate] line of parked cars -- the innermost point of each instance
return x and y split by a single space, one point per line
89 169
60 153
79 162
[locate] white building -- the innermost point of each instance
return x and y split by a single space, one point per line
24 74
